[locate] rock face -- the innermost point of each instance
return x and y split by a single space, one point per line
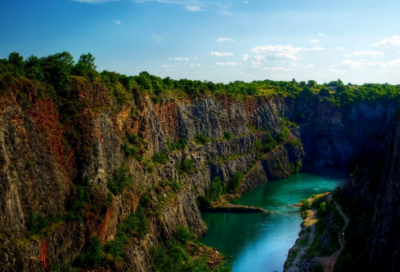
45 155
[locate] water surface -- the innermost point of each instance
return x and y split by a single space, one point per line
260 242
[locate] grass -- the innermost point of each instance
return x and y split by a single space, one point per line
292 255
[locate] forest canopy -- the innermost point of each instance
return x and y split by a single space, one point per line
54 72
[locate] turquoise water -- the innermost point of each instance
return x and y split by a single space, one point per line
260 242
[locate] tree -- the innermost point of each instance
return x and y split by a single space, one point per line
324 92
88 59
18 62
306 94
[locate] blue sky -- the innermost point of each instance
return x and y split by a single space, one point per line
357 41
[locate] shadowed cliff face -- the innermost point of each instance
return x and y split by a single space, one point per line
45 155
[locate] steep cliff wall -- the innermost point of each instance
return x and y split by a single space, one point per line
58 159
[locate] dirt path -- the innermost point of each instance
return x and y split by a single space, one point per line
328 263
309 223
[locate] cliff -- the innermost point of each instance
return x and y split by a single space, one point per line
86 165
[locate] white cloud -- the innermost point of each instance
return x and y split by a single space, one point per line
283 51
227 63
314 41
259 57
94 1
225 39
245 57
170 58
364 63
369 53
166 66
395 41
195 65
118 22
339 48
347 55
179 58
301 65
246 2
274 69
218 54
256 64
321 34
193 8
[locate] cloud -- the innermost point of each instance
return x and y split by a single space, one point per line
339 48
246 2
166 66
179 58
193 8
256 64
195 65
245 57
369 53
274 69
364 63
225 39
259 57
94 1
347 55
314 41
395 41
301 65
118 22
321 34
227 63
218 54
283 51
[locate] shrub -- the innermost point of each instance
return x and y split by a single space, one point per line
228 136
156 99
174 184
325 92
36 222
186 166
92 256
182 235
235 182
216 189
305 204
202 138
322 209
180 145
120 180
160 158
203 202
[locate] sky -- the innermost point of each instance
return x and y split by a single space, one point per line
357 41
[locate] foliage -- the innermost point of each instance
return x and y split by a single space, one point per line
185 167
179 145
202 138
174 184
235 182
228 136
203 202
75 210
92 255
280 137
36 222
325 92
216 189
182 235
120 180
160 158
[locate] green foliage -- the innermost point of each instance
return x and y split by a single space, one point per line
202 138
174 184
325 92
180 145
235 182
305 204
281 137
136 221
75 209
36 222
216 189
182 235
228 136
155 99
203 202
186 166
92 255
306 94
160 158
322 210
120 180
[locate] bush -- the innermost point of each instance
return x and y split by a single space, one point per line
305 204
182 235
322 210
185 167
228 136
155 99
216 189
174 184
202 138
203 202
92 256
120 180
325 92
160 158
36 222
180 145
235 182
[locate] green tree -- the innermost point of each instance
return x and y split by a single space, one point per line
324 92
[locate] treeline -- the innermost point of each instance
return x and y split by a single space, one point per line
55 71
